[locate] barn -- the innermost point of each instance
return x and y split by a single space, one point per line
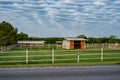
30 43
73 43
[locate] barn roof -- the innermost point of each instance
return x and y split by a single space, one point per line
75 39
31 42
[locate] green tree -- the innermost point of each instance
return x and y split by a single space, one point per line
112 39
53 40
82 36
22 36
91 40
7 34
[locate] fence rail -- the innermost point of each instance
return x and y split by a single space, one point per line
53 56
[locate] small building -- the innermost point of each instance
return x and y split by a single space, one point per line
73 43
30 43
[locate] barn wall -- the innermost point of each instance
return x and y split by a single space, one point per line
66 44
28 44
69 44
82 44
35 44
72 44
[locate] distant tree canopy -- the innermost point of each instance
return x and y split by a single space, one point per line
82 36
22 36
47 40
110 39
8 34
53 40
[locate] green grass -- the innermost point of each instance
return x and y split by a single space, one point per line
63 64
42 56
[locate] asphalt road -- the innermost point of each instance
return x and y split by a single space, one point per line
61 73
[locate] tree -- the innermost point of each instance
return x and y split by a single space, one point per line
53 40
112 39
82 36
22 36
7 34
91 40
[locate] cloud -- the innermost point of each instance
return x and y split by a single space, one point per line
59 17
117 2
99 3
17 5
10 0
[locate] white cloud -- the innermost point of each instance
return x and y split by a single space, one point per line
59 17
16 5
88 8
99 3
117 2
68 1
10 0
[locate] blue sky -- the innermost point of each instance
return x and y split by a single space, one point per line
63 18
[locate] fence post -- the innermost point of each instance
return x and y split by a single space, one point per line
78 58
101 54
57 46
53 55
26 56
1 51
48 46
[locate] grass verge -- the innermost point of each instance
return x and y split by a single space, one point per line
64 64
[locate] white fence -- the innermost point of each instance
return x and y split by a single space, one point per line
104 45
53 57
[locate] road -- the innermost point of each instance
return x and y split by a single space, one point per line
61 73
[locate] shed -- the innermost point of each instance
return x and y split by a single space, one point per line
30 43
73 43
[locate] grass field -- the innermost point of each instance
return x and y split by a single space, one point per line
43 55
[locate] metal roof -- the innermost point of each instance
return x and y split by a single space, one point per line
31 42
76 39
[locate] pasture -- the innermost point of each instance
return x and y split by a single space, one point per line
55 55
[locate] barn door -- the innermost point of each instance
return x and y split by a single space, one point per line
77 44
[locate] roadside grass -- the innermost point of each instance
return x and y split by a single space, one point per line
42 56
63 64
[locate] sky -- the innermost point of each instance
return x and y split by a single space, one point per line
63 18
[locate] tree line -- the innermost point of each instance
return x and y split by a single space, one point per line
110 39
9 35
